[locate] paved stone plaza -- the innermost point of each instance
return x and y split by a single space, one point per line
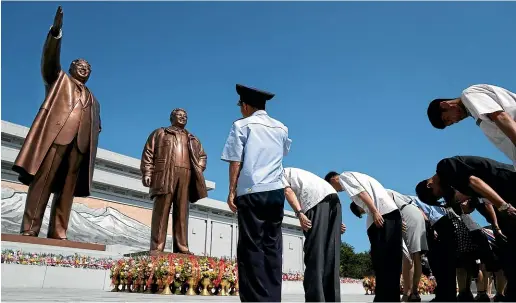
76 295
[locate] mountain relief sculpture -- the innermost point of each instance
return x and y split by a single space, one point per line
102 225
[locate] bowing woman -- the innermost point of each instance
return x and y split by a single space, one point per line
415 238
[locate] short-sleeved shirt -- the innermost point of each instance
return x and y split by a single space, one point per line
309 188
433 213
259 142
354 183
399 199
483 99
456 171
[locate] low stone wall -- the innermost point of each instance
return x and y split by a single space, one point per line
25 276
34 276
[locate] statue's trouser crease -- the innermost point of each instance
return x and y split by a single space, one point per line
160 213
59 157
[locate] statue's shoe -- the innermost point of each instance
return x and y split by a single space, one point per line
29 234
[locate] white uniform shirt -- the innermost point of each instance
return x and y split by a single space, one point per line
309 188
483 99
259 142
354 183
399 199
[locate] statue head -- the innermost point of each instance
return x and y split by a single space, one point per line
179 117
80 70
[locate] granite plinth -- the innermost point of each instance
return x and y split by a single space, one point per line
52 242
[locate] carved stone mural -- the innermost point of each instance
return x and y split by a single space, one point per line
105 225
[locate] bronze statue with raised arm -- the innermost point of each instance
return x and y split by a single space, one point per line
59 152
173 162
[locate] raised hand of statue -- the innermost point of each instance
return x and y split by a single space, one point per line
146 181
58 21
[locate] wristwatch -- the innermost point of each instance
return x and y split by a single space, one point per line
504 207
297 212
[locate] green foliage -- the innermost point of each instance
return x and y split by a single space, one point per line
353 265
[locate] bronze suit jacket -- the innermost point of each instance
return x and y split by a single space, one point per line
52 116
157 158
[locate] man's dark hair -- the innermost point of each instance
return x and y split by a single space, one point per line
259 105
355 210
425 194
434 113
330 175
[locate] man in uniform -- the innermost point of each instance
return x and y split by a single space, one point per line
318 208
255 149
492 107
478 177
58 154
173 162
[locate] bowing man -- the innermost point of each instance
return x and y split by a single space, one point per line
478 177
255 149
493 108
384 228
318 208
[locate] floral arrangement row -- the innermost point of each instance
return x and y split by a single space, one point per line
43 259
175 274
426 285
350 281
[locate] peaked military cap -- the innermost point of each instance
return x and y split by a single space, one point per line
253 96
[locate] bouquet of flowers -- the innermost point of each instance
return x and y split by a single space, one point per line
369 284
138 271
114 274
207 268
228 273
124 271
149 272
235 273
221 268
426 285
161 268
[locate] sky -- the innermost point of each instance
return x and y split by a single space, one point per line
352 79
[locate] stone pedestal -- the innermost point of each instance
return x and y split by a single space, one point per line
52 242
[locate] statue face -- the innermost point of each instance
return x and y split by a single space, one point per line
179 118
80 69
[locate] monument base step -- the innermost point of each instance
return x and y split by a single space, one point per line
52 242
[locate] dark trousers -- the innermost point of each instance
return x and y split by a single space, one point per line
442 258
322 251
508 251
260 245
386 254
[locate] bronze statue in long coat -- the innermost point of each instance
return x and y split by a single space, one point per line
58 154
173 162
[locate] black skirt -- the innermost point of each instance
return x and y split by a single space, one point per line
463 238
